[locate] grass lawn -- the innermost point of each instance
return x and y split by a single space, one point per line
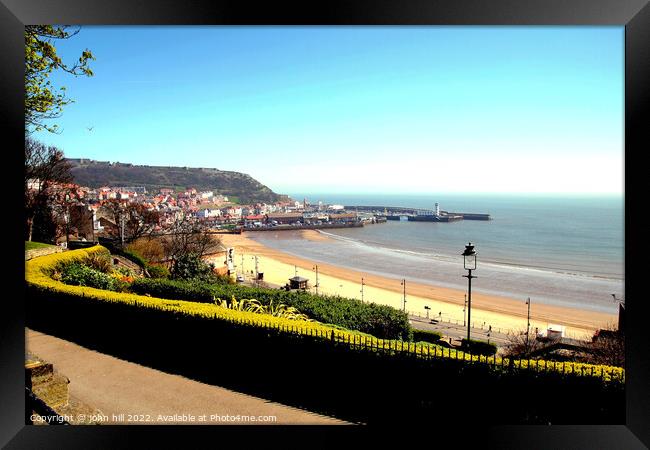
32 245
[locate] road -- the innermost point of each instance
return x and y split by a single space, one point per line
128 393
458 332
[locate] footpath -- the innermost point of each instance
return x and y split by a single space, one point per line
128 393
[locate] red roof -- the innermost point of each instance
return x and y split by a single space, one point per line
253 217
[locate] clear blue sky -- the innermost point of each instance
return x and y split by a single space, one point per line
357 109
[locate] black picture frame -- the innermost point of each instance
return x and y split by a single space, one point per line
633 14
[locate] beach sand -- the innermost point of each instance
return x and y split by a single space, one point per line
502 313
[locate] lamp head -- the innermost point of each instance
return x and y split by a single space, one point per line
469 257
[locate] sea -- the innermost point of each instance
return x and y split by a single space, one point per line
559 250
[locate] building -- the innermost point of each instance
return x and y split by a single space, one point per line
205 213
233 213
284 218
344 217
298 282
82 219
254 219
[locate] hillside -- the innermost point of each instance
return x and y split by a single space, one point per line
241 186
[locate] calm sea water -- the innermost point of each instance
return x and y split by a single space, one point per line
557 250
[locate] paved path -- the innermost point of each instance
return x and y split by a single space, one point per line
144 395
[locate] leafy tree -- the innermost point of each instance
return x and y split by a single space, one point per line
46 175
42 100
189 266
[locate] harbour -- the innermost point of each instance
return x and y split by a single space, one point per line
419 214
306 216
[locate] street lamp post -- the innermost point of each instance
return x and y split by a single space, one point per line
92 222
528 326
469 262
66 217
621 313
243 272
316 285
122 229
465 311
427 308
403 283
257 273
361 289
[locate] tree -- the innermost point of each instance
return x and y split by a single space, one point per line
150 248
189 266
42 100
608 347
46 175
132 220
520 345
188 236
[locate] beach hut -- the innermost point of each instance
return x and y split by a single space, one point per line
555 331
298 282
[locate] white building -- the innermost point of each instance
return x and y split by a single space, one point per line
205 213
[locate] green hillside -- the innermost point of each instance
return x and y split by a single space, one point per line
96 174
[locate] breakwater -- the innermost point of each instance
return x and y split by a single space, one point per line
304 227
416 214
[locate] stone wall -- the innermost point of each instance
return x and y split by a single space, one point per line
36 252
48 385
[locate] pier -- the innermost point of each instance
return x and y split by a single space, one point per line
418 214
303 227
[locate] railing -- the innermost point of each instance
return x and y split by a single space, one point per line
33 404
431 352
482 325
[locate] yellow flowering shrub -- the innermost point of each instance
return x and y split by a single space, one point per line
38 271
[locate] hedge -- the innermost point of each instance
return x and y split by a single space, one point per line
378 320
78 274
478 347
426 336
37 277
135 257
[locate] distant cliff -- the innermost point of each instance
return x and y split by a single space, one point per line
242 187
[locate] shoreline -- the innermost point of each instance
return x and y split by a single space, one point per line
500 312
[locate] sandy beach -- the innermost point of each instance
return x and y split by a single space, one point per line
502 313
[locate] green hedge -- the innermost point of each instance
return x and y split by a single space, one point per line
478 347
157 271
378 320
426 336
135 257
78 274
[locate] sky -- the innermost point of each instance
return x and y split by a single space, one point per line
356 109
